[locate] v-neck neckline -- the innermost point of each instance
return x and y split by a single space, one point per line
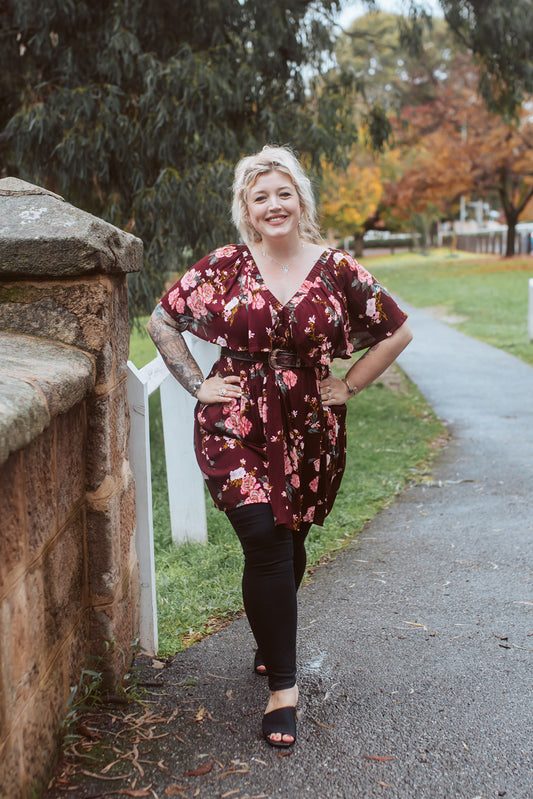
321 259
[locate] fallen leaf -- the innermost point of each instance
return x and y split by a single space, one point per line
415 624
233 771
158 664
99 776
138 792
384 784
288 753
381 758
229 793
175 790
229 694
205 768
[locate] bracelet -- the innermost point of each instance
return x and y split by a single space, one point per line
197 386
351 391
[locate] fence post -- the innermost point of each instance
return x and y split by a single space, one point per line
144 531
185 481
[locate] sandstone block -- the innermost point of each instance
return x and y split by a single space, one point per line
40 234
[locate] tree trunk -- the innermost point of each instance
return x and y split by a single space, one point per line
358 244
511 235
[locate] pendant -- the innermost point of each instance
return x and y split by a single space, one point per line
285 269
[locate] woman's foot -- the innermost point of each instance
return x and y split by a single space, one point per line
279 721
259 664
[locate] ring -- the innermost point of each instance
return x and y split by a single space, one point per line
329 389
223 391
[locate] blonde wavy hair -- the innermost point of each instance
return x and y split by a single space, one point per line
273 159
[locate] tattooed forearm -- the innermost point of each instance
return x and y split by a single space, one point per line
166 335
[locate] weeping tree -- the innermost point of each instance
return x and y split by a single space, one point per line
137 110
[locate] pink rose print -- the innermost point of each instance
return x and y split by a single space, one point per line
206 292
245 426
225 252
188 281
175 301
256 301
371 310
289 378
310 515
363 276
313 485
295 481
249 483
257 495
197 305
262 408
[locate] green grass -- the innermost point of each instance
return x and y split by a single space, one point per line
483 296
199 585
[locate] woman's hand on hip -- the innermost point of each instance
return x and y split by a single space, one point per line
219 389
333 391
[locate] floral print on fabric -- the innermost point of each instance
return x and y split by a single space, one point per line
278 443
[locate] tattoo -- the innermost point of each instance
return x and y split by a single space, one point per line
167 336
372 349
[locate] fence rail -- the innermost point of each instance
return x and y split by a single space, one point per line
492 241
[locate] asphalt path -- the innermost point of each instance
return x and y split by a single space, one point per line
415 644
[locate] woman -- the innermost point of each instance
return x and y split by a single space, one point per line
269 427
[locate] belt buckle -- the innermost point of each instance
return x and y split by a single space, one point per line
273 359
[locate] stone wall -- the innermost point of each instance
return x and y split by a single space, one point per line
68 568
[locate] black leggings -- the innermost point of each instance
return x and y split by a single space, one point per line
274 565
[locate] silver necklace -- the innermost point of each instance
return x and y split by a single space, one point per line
284 267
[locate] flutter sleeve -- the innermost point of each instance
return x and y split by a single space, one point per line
199 300
371 313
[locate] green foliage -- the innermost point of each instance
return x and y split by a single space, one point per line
83 696
498 33
137 111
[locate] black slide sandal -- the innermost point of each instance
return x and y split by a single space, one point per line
282 720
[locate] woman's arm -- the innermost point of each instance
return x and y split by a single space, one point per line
166 335
368 368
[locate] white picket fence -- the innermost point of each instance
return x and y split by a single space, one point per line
185 482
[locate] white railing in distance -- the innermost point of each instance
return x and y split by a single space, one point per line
184 479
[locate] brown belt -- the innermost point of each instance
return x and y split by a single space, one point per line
276 359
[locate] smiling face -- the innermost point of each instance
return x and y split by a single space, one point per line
274 206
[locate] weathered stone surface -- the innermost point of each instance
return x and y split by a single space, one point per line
21 621
14 533
71 436
42 235
38 380
41 488
108 435
90 314
63 579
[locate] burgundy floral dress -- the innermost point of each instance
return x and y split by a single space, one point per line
277 443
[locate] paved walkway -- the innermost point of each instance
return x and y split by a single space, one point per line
415 644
